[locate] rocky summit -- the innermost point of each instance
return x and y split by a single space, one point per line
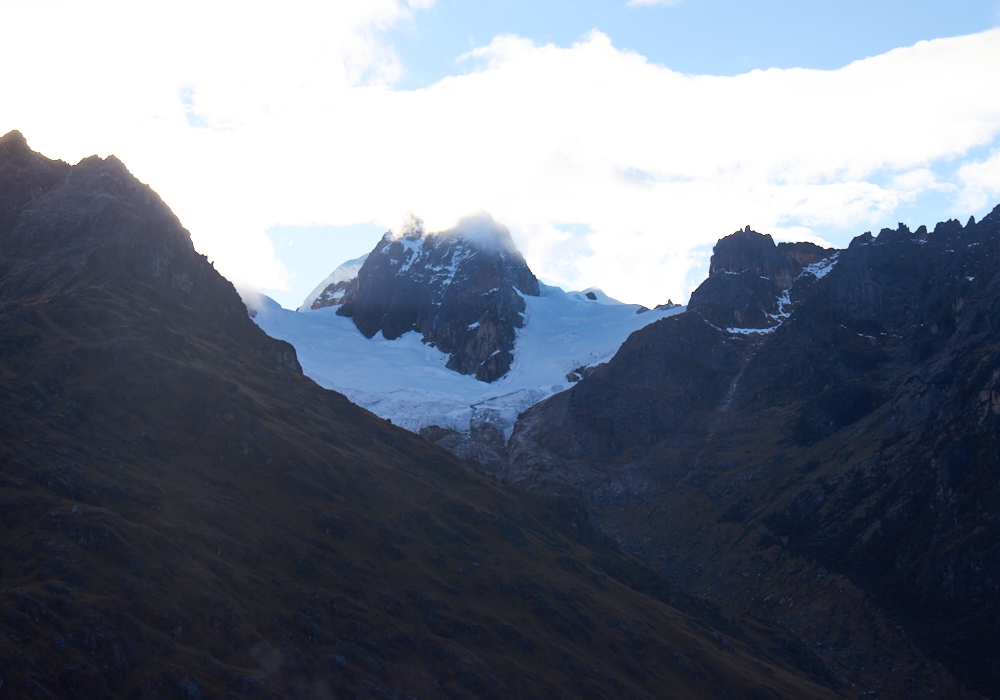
817 441
185 515
461 289
750 279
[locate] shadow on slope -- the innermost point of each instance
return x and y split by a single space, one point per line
832 467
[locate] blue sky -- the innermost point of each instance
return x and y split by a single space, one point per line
716 37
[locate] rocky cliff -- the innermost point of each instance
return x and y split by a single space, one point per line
816 440
750 280
185 515
460 289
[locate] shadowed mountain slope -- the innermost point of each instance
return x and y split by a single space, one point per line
185 515
831 464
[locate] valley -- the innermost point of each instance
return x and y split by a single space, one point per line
812 439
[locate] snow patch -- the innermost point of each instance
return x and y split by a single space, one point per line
412 250
751 331
784 302
820 268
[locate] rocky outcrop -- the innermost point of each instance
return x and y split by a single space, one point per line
815 415
659 307
750 279
749 251
460 289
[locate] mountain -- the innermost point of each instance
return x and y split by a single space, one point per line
332 290
463 290
185 515
563 337
411 380
748 279
815 440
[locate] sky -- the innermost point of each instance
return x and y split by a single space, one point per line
618 140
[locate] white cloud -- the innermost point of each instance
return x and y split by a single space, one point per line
913 183
980 182
113 77
646 165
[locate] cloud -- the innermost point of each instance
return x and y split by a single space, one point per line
980 182
913 183
609 170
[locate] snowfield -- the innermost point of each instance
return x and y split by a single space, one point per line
407 382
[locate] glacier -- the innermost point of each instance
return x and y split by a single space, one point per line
406 381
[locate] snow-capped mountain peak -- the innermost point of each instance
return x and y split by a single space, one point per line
463 289
476 309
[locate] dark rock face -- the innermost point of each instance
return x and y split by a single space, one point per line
570 442
749 251
856 437
748 276
460 289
